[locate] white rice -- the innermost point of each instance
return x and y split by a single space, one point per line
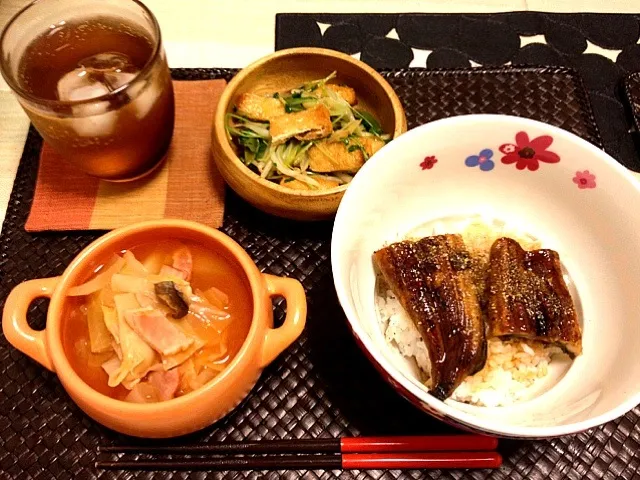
513 367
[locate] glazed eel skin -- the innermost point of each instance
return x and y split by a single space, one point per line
527 297
433 281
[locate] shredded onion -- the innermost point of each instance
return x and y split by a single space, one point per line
98 282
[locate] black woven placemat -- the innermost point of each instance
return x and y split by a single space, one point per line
603 48
323 385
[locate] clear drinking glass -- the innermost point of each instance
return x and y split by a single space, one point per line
92 76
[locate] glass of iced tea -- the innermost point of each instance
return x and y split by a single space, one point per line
93 78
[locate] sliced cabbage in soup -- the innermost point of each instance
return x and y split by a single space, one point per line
150 329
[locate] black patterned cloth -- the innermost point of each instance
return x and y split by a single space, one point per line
603 48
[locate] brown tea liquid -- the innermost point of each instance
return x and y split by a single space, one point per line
121 136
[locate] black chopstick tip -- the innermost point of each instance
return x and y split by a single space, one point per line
309 445
277 462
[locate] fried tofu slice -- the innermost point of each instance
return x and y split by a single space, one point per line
347 93
334 157
258 107
371 144
325 184
309 124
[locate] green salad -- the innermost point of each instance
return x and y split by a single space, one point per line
311 137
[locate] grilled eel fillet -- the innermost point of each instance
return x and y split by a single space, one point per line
527 297
432 279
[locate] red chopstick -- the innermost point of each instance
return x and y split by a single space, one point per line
417 443
418 452
421 460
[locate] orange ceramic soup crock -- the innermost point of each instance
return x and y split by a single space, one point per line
187 413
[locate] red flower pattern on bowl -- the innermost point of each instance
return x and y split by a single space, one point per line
428 162
585 179
526 153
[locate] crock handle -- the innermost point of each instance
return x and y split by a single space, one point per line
14 319
278 339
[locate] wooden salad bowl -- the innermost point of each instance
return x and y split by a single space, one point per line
285 70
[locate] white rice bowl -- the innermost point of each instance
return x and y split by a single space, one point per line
595 231
516 370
